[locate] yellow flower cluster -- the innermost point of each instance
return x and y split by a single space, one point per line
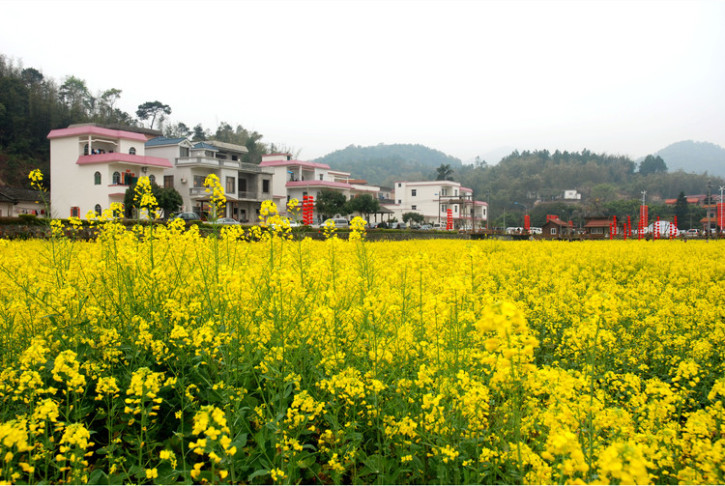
217 196
196 359
144 197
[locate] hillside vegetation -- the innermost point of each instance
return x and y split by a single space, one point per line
698 157
384 164
609 185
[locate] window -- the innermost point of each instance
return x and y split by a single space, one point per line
400 201
97 178
444 208
199 181
414 192
552 231
116 177
85 149
75 212
231 182
168 181
152 179
184 151
414 207
98 209
132 151
265 185
322 176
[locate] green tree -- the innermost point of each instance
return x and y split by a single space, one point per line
167 198
413 216
200 134
444 173
330 203
152 109
652 165
177 130
682 210
363 204
75 95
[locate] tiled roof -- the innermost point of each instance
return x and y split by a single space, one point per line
155 142
597 223
79 130
203 145
19 194
301 163
556 221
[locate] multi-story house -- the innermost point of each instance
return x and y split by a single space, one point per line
298 178
245 185
92 166
433 199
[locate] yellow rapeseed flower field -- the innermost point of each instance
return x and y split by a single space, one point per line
161 355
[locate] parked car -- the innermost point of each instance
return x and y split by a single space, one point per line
397 225
381 225
187 216
425 227
692 232
230 221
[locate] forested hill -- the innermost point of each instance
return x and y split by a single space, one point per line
528 179
697 157
384 164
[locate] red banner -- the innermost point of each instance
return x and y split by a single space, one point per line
527 223
449 219
308 208
721 215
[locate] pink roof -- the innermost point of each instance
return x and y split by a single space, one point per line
107 158
302 163
340 185
93 130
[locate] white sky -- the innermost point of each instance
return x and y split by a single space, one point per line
463 77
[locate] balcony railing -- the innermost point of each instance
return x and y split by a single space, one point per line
198 191
221 163
253 195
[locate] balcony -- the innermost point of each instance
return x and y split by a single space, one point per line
250 196
207 162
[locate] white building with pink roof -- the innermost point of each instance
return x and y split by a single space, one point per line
433 199
298 178
91 167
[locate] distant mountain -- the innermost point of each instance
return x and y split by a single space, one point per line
697 157
384 164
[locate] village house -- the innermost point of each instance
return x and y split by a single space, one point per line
294 179
91 167
597 228
245 185
555 228
433 199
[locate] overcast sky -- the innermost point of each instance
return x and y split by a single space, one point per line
465 77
